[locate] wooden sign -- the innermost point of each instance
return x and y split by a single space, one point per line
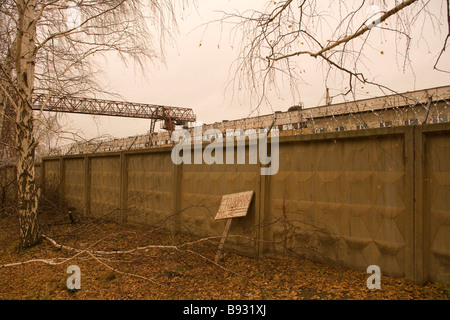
234 205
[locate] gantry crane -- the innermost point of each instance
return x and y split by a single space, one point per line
170 116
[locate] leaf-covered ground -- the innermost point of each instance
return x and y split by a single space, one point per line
168 273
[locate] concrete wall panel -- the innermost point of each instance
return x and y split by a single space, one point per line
74 183
202 188
149 183
104 186
52 179
8 191
342 200
437 203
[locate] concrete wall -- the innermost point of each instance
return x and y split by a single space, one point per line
355 198
149 187
201 188
348 198
8 186
432 201
74 186
51 179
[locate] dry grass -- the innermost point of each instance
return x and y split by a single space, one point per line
169 273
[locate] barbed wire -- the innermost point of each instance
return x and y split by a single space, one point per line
411 108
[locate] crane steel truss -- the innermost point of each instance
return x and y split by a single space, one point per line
171 116
174 115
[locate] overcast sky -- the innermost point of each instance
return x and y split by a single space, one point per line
195 76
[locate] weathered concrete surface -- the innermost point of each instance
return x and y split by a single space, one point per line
201 190
356 198
8 190
104 185
149 187
74 182
345 200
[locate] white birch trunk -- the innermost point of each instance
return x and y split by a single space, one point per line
29 233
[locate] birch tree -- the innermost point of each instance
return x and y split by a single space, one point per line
51 46
339 37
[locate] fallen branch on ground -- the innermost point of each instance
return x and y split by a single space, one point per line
177 248
94 253
46 261
121 272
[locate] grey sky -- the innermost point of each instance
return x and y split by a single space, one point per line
196 76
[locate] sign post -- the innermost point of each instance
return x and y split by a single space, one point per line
232 206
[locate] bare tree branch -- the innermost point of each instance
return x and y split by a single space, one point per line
274 43
444 47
